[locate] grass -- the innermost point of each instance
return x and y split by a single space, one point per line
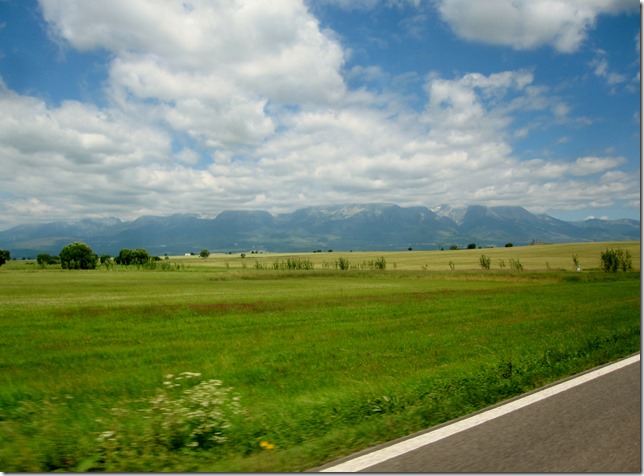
324 362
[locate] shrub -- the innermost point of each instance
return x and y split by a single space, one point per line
44 259
485 261
197 417
342 263
78 255
614 260
516 264
204 253
471 246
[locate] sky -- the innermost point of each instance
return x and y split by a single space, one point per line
155 107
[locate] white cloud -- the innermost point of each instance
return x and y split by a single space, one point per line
213 67
528 24
220 105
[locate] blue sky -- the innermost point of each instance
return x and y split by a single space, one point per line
139 107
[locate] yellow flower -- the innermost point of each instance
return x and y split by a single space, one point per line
266 445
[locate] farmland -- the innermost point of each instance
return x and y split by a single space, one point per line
107 370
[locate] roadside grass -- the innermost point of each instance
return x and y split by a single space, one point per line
324 362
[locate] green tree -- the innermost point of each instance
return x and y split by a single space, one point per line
204 253
128 257
5 256
471 246
78 255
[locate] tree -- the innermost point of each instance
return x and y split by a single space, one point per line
471 246
78 255
508 245
5 256
204 253
128 257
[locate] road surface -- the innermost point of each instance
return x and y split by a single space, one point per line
588 423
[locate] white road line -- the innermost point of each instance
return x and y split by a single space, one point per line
384 454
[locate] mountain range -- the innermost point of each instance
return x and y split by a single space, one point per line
380 226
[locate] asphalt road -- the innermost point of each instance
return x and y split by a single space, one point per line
595 426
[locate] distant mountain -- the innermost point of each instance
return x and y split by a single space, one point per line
379 226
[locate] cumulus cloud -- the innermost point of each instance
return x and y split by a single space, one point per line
528 24
209 69
221 105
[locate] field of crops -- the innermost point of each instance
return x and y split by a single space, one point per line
254 364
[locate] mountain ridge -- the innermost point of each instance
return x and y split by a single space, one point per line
352 226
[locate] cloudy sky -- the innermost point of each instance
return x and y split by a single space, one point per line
153 107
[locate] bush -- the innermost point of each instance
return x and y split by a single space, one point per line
138 256
614 260
516 264
78 255
471 246
342 263
485 262
44 259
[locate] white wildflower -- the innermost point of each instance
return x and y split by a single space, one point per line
106 435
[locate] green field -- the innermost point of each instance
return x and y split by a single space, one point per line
321 362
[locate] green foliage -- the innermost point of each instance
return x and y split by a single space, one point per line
5 256
615 260
381 263
78 255
471 246
342 263
453 247
137 257
204 253
44 259
508 245
516 264
485 262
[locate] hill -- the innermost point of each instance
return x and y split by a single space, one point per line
380 226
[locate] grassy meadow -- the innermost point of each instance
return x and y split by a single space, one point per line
244 365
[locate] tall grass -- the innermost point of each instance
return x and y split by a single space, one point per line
297 366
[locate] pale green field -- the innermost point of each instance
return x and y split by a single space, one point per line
533 258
